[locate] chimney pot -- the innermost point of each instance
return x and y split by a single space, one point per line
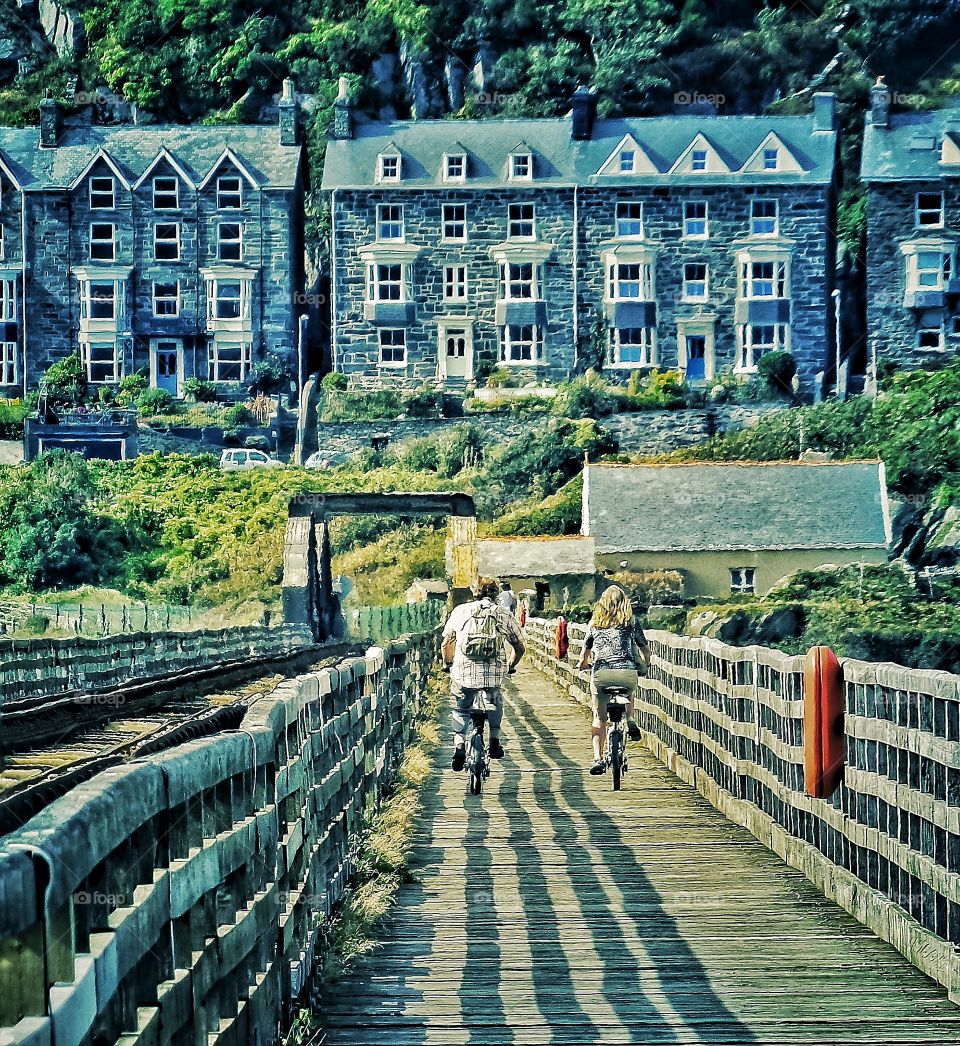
50 123
343 112
289 115
880 104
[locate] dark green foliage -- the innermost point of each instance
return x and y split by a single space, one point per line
65 382
236 415
587 396
777 370
334 382
556 515
270 373
131 388
425 403
154 401
200 391
12 414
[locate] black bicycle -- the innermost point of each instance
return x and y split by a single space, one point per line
618 698
478 758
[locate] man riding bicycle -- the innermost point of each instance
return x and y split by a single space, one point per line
475 639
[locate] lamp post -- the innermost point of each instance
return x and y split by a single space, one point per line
836 337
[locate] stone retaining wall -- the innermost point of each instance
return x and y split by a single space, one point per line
182 898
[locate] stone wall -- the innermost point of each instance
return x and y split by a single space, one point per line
185 897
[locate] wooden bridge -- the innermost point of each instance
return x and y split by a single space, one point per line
554 910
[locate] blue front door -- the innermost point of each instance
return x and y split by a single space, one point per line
168 357
696 357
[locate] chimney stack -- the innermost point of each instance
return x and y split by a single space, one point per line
50 123
583 106
343 112
880 104
824 111
289 115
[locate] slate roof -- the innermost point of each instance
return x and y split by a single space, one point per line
559 160
735 506
910 147
133 149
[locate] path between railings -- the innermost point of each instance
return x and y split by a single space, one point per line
554 910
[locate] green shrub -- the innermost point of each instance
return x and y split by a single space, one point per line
155 401
258 443
378 405
556 515
586 396
65 382
200 391
334 382
12 415
269 373
236 415
131 388
658 390
777 370
424 403
501 378
419 455
459 449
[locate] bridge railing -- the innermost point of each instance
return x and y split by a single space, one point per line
181 898
380 624
886 845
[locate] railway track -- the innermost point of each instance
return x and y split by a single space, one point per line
55 746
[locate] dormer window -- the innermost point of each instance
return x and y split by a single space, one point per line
102 194
771 159
455 167
388 167
698 160
628 160
521 167
764 217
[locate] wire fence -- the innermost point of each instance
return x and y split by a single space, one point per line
92 619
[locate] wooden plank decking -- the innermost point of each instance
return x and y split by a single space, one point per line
552 910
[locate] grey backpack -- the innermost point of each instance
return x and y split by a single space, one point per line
480 636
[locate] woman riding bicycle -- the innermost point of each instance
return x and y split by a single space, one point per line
615 647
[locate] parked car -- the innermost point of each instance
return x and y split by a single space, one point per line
237 459
325 459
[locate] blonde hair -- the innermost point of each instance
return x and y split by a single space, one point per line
613 609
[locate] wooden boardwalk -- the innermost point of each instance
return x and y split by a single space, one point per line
552 910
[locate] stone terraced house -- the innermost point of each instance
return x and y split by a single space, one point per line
911 167
176 250
697 242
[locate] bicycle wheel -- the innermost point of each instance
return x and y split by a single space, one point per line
616 758
476 766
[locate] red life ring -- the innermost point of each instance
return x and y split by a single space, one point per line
824 745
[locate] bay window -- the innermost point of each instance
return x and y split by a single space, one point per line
520 281
99 300
386 282
228 360
521 343
757 338
764 279
632 346
100 360
630 281
8 363
931 270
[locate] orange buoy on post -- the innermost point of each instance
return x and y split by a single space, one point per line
824 745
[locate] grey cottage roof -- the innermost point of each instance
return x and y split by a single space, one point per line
559 160
733 506
922 145
134 148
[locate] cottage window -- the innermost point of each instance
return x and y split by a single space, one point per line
930 209
230 241
229 361
521 221
228 300
455 167
521 343
166 242
455 282
102 194
629 220
99 302
166 194
771 159
166 299
8 301
743 579
229 193
630 281
695 220
764 217
930 339
520 281
632 346
389 221
454 221
698 161
393 347
930 270
8 363
627 161
100 362
763 279
385 282
758 338
388 167
521 167
103 242
695 281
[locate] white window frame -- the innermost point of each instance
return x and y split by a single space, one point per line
513 342
90 362
173 241
751 282
747 355
691 285
379 280
215 298
102 191
394 162
88 297
455 283
926 210
455 167
175 298
221 353
173 193
2 242
518 278
699 160
8 301
9 357
449 224
930 277
520 167
743 580
517 222
619 282
940 345
621 221
223 192
759 224
100 241
687 235
384 223
628 161
232 242
381 345
645 349
771 158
